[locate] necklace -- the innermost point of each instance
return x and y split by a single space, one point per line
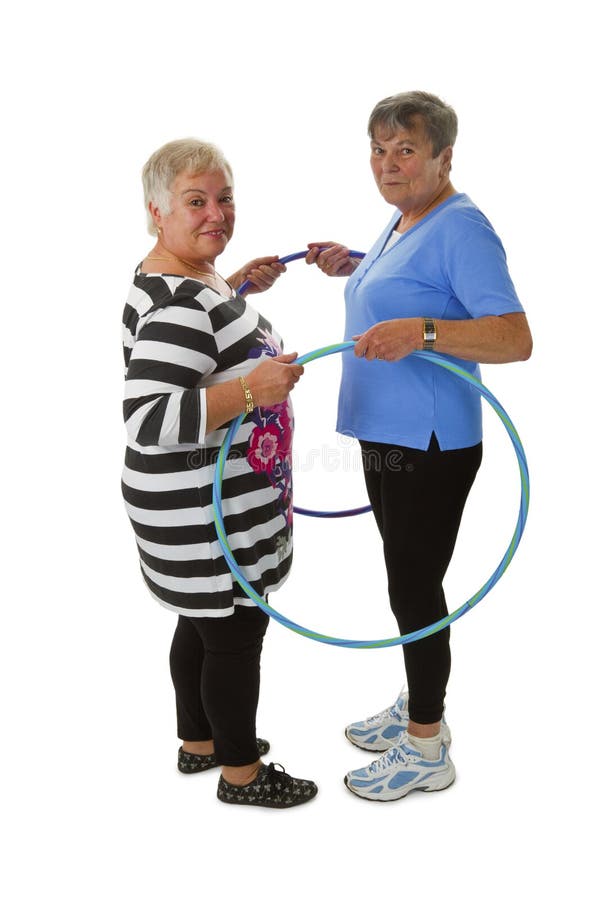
214 275
184 263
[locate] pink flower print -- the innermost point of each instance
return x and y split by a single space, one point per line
264 448
284 421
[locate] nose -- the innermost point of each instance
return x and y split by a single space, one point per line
389 163
215 212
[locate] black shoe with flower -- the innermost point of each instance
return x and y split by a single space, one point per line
190 763
272 787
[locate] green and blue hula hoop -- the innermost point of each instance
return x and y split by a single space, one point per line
454 370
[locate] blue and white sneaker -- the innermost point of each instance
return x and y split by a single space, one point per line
399 771
384 729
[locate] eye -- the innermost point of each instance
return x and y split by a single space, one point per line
406 151
377 151
196 201
228 198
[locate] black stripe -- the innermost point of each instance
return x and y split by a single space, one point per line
222 600
202 568
189 417
126 354
180 534
223 314
148 434
134 403
130 317
180 336
244 521
156 288
165 372
185 498
178 461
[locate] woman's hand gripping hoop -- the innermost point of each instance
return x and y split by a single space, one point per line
300 510
456 371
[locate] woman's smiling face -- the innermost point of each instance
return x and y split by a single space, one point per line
202 215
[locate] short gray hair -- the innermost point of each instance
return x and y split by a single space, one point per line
401 110
165 164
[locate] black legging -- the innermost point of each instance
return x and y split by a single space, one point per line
418 498
215 667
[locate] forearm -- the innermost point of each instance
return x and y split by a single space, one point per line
489 339
224 402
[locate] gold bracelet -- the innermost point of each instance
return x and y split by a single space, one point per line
247 395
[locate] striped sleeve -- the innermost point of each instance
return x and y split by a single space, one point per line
173 350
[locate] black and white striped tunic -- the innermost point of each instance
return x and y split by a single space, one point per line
180 337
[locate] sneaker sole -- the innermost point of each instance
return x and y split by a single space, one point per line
445 780
269 805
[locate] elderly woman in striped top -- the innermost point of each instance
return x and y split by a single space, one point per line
197 355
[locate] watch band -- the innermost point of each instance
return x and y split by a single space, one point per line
247 395
429 334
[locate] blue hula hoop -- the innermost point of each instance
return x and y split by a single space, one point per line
300 510
455 370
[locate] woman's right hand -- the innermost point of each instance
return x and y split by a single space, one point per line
271 381
334 260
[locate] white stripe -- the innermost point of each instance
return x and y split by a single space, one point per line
139 387
233 373
168 481
128 338
158 451
203 414
167 518
197 319
159 351
215 613
188 552
135 420
210 583
236 330
199 515
251 500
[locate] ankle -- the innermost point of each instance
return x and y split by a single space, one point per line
429 747
241 775
199 748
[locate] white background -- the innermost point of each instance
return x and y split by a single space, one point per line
92 801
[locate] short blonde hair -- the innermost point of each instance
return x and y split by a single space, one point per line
165 164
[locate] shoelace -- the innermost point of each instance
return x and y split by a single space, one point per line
386 713
395 756
272 774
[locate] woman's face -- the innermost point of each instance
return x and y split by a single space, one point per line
202 215
406 173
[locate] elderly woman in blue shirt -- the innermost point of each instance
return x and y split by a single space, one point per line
435 279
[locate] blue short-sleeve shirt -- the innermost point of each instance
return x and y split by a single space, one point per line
450 265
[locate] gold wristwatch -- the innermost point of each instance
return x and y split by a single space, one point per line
429 334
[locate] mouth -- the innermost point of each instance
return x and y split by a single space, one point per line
214 233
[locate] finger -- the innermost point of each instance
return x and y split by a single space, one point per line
285 358
360 347
263 261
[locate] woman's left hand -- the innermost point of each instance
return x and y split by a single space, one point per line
262 272
391 340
